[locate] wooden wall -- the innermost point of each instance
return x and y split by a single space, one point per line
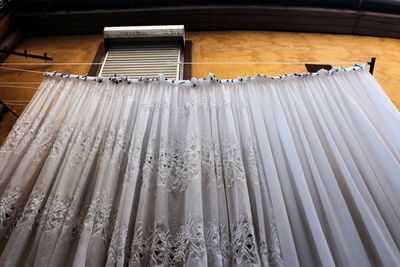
232 46
72 49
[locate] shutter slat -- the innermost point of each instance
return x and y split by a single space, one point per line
138 67
135 60
153 52
136 57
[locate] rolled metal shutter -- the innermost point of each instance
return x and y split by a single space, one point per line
142 59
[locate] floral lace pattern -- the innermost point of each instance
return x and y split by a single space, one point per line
20 136
99 185
59 211
8 211
118 247
173 166
235 246
32 209
54 213
99 214
170 164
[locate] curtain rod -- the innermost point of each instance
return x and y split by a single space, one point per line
371 63
194 81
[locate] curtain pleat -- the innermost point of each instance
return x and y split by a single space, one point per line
300 171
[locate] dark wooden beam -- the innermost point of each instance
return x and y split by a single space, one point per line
98 58
187 57
278 18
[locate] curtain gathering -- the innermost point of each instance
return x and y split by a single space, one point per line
283 171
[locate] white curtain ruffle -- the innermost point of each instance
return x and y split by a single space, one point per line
300 171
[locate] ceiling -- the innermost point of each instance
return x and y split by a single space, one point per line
364 17
390 6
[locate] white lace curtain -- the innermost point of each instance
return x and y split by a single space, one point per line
264 171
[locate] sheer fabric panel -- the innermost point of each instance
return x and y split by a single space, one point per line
301 171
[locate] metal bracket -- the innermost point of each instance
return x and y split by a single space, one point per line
25 54
372 65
